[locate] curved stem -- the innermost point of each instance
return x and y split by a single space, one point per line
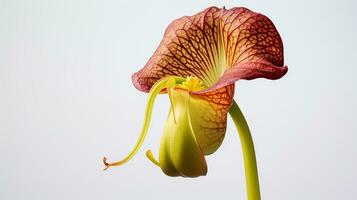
250 163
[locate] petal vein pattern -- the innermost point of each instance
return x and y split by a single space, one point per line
207 45
210 117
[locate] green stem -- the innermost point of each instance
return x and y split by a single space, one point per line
250 163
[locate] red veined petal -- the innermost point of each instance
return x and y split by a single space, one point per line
207 44
189 48
251 37
253 47
209 123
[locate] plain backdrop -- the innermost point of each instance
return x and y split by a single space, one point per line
66 100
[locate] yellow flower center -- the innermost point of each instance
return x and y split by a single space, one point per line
192 84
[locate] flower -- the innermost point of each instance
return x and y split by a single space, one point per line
197 64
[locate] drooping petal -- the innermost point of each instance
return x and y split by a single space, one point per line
167 83
207 44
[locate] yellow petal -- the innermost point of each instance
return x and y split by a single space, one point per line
180 154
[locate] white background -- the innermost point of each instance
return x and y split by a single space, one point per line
66 100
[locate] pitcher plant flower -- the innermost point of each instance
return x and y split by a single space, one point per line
197 64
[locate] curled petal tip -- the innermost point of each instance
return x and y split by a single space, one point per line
105 161
107 165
